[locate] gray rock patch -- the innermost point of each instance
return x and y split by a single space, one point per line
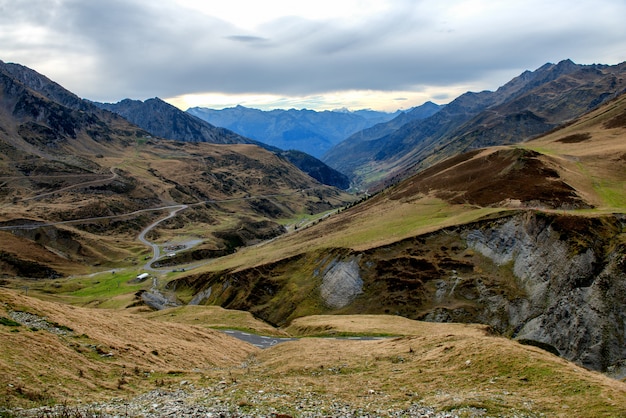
341 283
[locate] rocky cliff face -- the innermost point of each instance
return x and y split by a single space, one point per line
555 281
574 283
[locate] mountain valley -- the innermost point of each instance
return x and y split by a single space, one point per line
303 130
487 271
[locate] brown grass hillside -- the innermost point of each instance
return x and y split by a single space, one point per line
77 355
446 365
227 188
67 354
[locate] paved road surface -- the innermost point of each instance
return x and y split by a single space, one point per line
156 252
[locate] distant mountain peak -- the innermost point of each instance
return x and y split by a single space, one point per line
166 121
305 130
528 105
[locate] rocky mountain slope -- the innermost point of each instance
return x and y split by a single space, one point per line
164 120
527 239
79 183
530 104
303 130
382 129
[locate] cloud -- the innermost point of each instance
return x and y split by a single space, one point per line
108 50
246 38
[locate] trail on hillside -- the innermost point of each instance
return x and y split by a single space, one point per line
73 186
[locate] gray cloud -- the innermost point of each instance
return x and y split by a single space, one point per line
139 48
246 38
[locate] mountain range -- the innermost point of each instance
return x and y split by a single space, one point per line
529 105
164 120
65 160
303 130
528 239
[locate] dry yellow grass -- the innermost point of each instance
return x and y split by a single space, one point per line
376 324
214 317
449 366
108 353
444 367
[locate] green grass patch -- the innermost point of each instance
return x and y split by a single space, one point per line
613 193
102 287
8 322
409 221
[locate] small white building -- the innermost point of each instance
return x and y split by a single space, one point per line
143 276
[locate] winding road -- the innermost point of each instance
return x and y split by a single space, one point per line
156 251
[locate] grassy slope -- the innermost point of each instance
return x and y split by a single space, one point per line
446 365
39 366
450 366
593 167
214 317
477 186
359 228
592 154
154 173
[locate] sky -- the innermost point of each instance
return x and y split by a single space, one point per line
313 54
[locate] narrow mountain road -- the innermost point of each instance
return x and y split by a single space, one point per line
156 251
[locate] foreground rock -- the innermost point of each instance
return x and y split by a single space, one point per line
203 402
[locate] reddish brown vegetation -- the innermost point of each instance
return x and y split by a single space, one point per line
490 178
573 139
618 121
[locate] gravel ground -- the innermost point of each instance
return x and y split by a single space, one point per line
202 402
38 322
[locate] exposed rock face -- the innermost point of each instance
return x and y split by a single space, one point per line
575 289
341 283
552 280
